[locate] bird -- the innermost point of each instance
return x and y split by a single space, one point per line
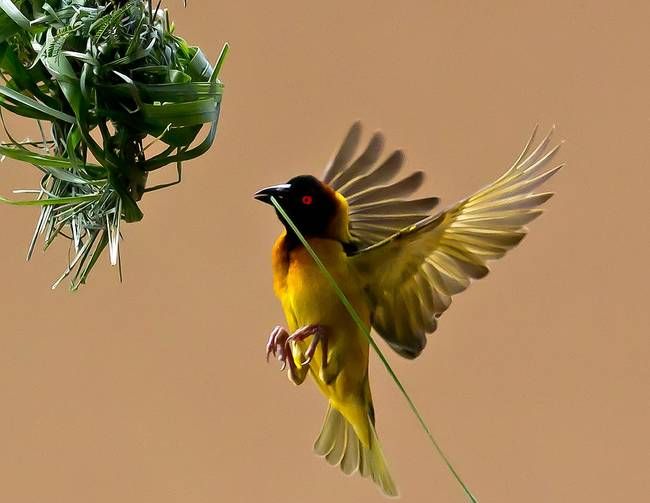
397 261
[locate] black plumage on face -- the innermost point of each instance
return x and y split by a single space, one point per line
310 204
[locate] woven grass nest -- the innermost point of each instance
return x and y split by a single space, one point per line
104 80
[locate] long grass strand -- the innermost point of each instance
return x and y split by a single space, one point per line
357 319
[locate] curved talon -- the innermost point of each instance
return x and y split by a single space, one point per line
280 341
309 354
276 340
319 336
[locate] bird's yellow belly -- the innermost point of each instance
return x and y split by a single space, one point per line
310 299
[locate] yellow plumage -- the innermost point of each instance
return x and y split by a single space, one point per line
348 437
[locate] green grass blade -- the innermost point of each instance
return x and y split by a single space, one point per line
51 201
14 13
190 113
222 57
35 105
46 160
357 319
199 66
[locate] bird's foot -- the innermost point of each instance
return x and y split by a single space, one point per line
319 336
278 345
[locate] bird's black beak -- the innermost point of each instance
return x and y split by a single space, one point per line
277 191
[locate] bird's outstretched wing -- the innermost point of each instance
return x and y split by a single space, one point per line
413 274
378 205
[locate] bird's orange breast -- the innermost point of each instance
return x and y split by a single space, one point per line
303 288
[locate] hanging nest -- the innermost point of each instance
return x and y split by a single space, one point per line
104 80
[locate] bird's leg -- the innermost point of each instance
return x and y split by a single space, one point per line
329 373
296 374
319 335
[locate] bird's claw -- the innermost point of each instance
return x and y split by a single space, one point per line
318 333
279 344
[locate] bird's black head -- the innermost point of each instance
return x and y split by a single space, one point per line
311 205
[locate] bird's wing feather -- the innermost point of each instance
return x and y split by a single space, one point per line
377 204
413 274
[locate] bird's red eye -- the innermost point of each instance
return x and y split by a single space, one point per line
307 200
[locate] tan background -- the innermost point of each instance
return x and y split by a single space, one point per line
536 383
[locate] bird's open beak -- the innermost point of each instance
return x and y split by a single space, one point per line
277 191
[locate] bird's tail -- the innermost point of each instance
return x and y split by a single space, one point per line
340 445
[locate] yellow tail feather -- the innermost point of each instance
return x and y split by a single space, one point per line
340 446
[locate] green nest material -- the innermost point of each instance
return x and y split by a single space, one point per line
102 76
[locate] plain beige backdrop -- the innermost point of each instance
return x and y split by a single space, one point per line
536 382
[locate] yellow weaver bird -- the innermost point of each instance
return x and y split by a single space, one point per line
399 266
